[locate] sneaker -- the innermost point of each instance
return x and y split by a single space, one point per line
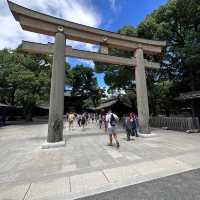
109 144
117 144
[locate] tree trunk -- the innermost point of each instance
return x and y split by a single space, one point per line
13 96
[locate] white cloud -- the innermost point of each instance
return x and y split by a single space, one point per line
86 47
82 46
87 63
79 11
114 5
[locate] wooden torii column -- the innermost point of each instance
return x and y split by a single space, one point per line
44 24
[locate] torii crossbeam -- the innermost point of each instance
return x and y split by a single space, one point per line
40 23
33 47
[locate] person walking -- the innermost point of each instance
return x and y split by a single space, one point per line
96 117
87 118
133 123
111 122
79 119
130 125
71 118
104 121
92 117
83 120
127 126
100 121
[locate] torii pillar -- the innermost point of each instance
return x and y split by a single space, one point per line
56 108
141 92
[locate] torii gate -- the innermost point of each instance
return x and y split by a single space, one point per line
40 23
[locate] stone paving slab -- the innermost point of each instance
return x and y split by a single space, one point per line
48 188
148 167
85 182
190 158
120 173
14 193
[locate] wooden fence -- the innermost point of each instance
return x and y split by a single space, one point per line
175 123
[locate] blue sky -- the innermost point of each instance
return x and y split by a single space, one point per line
118 13
105 14
125 12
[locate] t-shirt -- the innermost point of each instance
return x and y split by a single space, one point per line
131 123
108 118
71 117
78 117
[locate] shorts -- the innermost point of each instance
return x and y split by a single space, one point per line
111 130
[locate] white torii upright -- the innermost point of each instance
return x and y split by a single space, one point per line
40 23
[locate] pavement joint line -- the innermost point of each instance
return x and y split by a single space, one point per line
70 186
27 192
105 176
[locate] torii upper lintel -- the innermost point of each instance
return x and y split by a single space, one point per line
40 23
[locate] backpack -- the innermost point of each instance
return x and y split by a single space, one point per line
112 120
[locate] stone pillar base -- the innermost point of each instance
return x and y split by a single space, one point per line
48 145
143 135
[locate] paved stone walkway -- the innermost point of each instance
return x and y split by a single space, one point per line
86 165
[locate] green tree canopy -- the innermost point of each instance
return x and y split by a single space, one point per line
118 77
27 75
177 22
83 82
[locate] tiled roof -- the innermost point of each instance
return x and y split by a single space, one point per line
189 95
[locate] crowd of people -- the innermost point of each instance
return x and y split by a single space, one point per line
82 119
107 121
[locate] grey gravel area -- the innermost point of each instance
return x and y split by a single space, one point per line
184 186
